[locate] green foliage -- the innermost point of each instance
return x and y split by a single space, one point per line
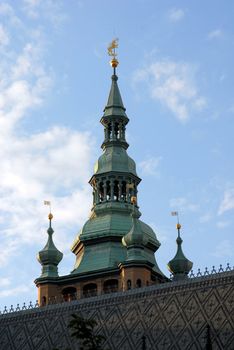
83 330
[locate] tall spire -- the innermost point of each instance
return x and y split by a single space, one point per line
114 182
179 266
114 118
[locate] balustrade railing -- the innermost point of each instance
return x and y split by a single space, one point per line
74 296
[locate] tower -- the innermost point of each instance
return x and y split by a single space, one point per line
114 249
179 266
49 257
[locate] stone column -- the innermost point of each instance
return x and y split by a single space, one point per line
104 187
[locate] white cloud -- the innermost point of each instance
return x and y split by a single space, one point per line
223 249
53 164
22 288
48 9
215 34
223 224
150 165
173 84
205 218
227 202
183 204
4 282
4 37
176 15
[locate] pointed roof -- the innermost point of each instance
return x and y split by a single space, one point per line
115 105
179 266
135 237
49 257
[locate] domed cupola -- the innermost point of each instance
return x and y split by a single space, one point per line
49 257
179 266
135 240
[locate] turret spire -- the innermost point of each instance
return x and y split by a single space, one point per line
49 257
179 266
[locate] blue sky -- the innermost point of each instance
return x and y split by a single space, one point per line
176 80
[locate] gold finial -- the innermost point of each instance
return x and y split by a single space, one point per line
178 226
134 200
50 216
111 52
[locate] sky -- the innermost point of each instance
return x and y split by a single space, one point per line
176 81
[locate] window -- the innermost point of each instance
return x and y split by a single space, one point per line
90 290
138 283
129 284
69 293
110 286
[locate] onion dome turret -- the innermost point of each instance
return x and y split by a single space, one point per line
49 257
179 266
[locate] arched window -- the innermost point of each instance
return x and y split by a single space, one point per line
108 190
110 286
90 290
43 301
138 283
116 190
69 293
101 192
124 191
129 284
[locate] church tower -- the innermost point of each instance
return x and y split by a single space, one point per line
114 249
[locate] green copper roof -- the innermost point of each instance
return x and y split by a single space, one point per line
109 254
135 237
179 266
114 105
49 257
98 246
115 159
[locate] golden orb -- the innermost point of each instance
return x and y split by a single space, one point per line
114 63
50 216
178 226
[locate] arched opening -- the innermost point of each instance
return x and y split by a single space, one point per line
90 290
116 190
69 293
101 192
110 286
138 283
123 196
108 190
43 301
116 130
109 131
129 284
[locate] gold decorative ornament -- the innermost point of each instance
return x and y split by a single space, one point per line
111 52
178 226
50 216
133 199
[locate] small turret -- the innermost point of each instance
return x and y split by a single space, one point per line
49 257
135 240
179 266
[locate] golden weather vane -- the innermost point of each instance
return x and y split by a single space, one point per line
112 52
111 48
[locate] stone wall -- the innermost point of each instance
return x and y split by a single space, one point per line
173 315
